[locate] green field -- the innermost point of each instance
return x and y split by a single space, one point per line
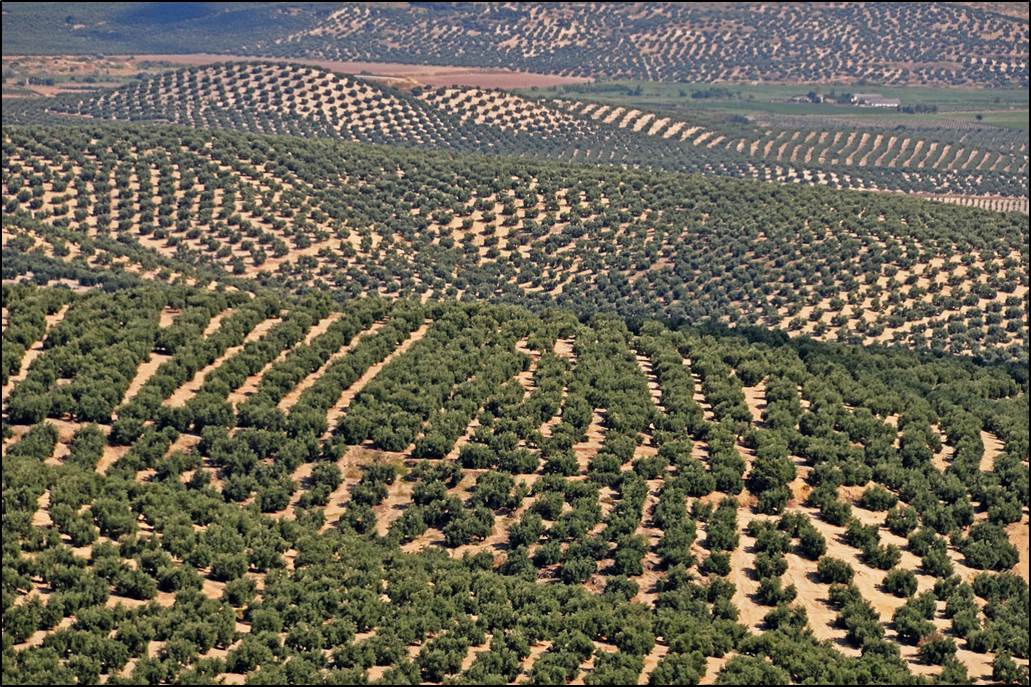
1010 119
1002 107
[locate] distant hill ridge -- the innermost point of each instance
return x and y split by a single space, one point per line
898 43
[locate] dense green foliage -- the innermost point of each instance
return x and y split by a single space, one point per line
257 538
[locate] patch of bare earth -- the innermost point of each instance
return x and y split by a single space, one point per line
742 574
651 662
37 637
110 456
992 448
755 399
648 581
144 372
535 653
588 448
41 518
1018 536
399 498
713 666
431 75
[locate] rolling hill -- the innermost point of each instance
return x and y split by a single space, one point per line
973 164
660 367
316 213
926 43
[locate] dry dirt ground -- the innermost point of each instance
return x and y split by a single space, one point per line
430 75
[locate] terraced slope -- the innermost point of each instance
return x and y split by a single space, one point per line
307 214
498 496
308 101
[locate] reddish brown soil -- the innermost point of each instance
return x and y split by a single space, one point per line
431 75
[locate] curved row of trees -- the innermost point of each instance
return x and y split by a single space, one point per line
588 238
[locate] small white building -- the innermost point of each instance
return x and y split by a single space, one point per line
873 100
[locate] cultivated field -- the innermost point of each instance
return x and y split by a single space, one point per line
515 343
929 157
797 494
930 43
913 43
365 220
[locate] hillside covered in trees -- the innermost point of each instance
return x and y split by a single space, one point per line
303 214
585 343
205 484
310 101
925 43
